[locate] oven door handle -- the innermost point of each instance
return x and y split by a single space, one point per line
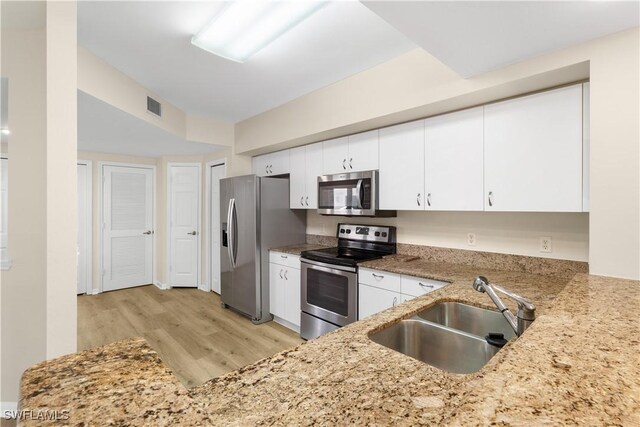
329 266
360 195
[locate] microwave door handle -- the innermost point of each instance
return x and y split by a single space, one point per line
360 194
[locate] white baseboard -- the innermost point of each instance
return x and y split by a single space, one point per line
203 288
95 292
8 409
161 285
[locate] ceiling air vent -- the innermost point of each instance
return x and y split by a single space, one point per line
154 107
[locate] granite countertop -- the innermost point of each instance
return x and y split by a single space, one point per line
297 249
577 364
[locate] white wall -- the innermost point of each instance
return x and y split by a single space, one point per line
509 233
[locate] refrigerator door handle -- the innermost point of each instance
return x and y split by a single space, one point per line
230 235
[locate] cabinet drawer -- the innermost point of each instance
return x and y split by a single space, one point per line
416 286
379 279
287 260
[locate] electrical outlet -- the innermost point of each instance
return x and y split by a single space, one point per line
546 244
471 239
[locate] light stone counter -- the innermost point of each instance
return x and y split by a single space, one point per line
577 364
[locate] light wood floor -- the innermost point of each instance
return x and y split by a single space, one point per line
191 332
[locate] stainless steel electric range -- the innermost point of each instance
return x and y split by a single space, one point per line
329 277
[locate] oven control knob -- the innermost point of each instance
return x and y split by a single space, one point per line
377 234
342 230
384 234
348 231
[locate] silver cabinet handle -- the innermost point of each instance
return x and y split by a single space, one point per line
266 169
395 301
418 199
490 198
351 161
377 276
147 232
306 200
284 256
344 164
302 201
281 273
285 275
270 168
425 286
429 199
193 233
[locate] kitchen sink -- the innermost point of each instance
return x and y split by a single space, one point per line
449 336
467 318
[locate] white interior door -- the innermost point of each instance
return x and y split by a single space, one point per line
184 218
84 221
217 172
127 255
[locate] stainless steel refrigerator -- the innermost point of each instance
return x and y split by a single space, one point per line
254 216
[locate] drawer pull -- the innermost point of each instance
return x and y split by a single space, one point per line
284 256
377 276
425 286
281 274
395 301
285 275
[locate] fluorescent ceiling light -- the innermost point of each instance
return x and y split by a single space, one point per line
243 28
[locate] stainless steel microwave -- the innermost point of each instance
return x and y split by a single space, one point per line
350 194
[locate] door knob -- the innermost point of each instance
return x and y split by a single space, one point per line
147 232
193 233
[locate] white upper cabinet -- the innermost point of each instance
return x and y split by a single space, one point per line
271 164
305 167
454 161
297 178
401 179
354 153
313 163
363 151
533 152
335 154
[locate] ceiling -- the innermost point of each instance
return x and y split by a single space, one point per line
476 37
106 129
150 42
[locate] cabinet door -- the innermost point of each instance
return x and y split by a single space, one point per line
335 153
363 151
260 165
373 300
279 163
402 167
533 152
276 290
454 155
297 177
313 163
292 296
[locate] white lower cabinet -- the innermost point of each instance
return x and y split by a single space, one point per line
284 289
373 300
387 290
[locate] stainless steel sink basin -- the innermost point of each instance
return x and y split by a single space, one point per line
449 336
466 318
436 345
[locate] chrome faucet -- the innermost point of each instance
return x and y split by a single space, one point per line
526 309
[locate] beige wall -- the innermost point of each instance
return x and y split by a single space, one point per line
102 81
416 85
38 293
510 233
